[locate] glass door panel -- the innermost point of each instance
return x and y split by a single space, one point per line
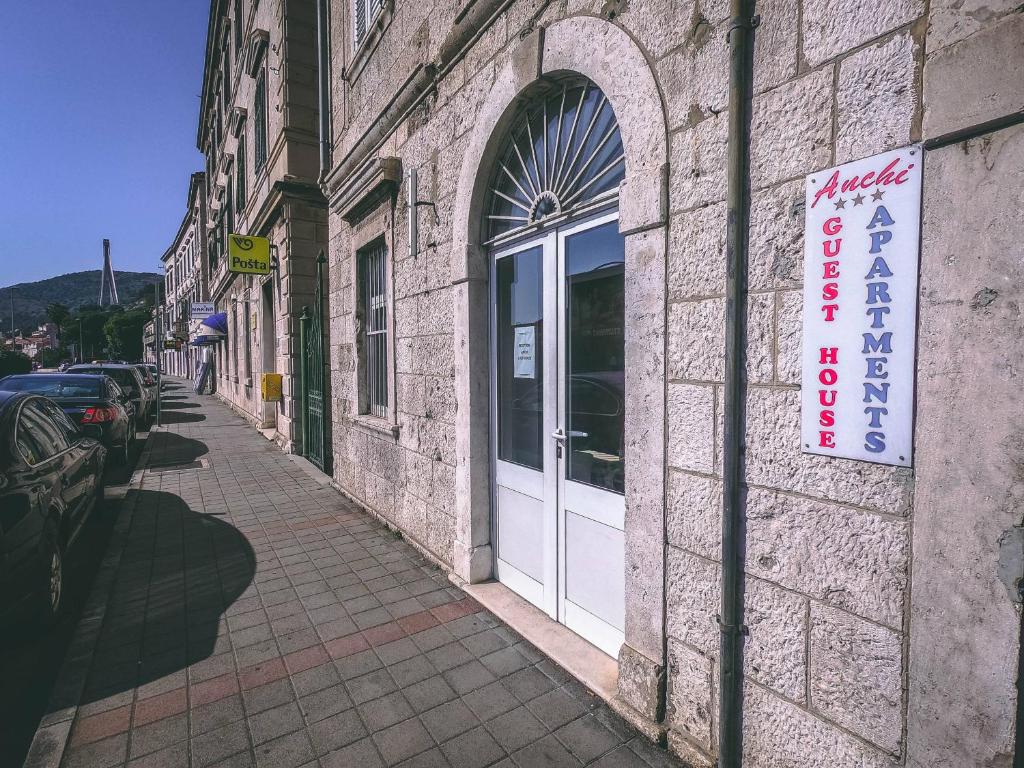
519 325
523 408
595 357
591 413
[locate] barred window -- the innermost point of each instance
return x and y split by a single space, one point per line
364 14
240 190
226 54
374 314
260 120
229 210
238 27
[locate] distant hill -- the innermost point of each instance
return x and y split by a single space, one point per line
73 290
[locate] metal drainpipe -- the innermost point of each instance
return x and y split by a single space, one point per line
730 735
324 85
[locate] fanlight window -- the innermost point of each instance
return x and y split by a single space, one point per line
562 153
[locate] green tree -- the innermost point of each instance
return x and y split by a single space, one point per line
87 330
124 333
13 362
58 315
52 357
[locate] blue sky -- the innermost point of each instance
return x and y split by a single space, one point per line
98 109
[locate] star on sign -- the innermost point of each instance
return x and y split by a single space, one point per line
840 203
858 200
877 195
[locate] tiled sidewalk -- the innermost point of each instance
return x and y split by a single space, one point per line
259 619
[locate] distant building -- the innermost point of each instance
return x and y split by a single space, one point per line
44 337
186 280
258 130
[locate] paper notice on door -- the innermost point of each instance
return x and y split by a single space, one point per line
525 353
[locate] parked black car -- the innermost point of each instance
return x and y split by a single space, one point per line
130 380
51 479
99 407
149 379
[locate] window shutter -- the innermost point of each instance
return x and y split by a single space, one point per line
360 19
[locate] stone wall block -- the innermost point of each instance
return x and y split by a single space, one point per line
645 441
697 165
832 27
774 653
694 594
774 459
692 705
696 348
877 99
658 38
855 560
789 341
791 130
443 487
436 354
777 237
778 734
439 398
969 490
694 513
695 77
775 43
696 256
976 80
640 682
691 427
760 351
950 21
410 393
855 675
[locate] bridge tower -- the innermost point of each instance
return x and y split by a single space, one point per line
108 284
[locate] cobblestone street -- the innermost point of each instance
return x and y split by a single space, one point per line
256 617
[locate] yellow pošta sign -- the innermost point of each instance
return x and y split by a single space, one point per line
249 255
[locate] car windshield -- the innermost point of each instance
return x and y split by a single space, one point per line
123 376
53 386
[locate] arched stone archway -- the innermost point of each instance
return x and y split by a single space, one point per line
613 61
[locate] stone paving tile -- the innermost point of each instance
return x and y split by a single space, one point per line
259 619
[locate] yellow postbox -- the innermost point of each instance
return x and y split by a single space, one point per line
270 386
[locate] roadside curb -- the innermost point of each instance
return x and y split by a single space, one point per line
51 736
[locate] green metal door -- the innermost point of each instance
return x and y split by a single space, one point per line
311 342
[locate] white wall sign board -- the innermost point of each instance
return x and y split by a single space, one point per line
525 353
861 252
200 310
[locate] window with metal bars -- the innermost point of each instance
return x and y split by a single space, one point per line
374 315
364 13
260 120
240 180
238 25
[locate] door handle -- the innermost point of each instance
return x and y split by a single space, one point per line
560 435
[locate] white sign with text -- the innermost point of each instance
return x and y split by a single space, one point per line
861 253
200 310
525 353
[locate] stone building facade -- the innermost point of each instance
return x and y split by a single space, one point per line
186 279
258 131
880 603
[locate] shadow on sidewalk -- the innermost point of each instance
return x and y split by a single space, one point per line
172 448
180 571
173 417
175 404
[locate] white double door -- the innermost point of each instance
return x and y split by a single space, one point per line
558 401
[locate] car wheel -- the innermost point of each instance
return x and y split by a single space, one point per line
123 455
51 594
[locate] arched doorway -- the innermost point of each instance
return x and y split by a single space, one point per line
557 266
617 66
